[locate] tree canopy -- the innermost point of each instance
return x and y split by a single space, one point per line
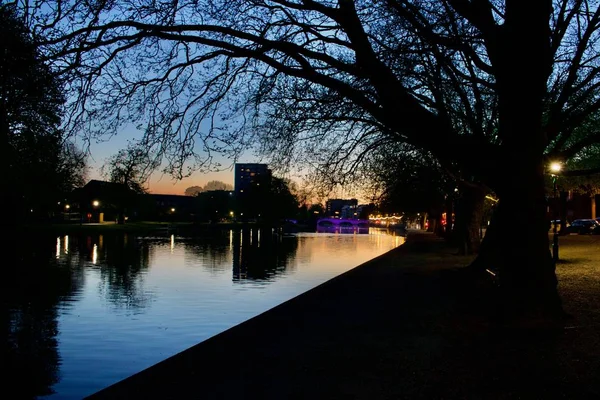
210 185
491 89
40 165
427 73
131 167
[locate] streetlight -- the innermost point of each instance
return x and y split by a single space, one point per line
555 168
95 203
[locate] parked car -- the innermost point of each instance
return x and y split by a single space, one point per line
584 227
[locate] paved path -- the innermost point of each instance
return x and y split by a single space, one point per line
395 327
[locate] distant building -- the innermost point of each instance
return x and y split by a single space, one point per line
342 208
252 183
98 201
249 176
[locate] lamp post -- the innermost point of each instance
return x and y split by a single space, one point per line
96 204
555 168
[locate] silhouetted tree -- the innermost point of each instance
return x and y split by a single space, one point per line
280 202
493 87
40 166
130 167
217 185
408 180
210 186
193 190
214 205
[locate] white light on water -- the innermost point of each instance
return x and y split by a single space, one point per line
95 254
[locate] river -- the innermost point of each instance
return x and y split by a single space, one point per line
85 311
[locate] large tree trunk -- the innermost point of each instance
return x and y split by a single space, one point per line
469 213
521 260
525 268
487 256
522 59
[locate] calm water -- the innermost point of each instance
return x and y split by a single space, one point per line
83 312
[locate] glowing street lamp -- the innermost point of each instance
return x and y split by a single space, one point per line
555 168
95 203
172 209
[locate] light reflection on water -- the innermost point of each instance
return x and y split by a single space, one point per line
96 309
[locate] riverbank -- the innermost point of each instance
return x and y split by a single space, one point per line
398 326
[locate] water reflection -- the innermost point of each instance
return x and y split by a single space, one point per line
122 269
39 280
32 286
343 229
109 299
210 251
260 254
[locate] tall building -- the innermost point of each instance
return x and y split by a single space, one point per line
249 176
252 183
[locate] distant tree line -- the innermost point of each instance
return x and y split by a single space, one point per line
271 201
211 185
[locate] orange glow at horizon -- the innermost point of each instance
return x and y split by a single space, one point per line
164 184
